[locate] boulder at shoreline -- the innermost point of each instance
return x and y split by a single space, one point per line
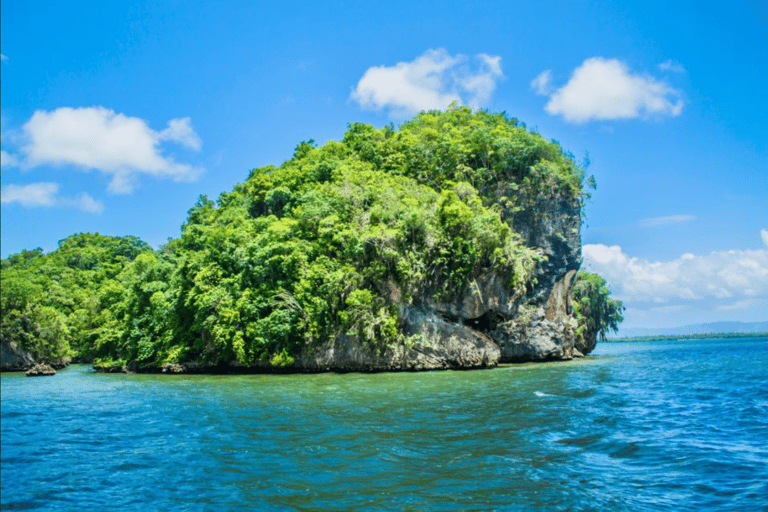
41 370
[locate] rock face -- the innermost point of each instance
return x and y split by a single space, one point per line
442 345
586 343
487 323
13 358
553 224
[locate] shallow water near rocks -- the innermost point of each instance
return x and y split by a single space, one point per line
638 426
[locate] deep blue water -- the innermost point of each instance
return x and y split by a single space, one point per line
638 426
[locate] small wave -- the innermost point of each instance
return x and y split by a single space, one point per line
625 452
129 466
584 394
581 441
540 394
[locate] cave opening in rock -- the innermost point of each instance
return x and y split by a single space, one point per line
485 322
450 318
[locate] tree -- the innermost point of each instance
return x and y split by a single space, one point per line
596 312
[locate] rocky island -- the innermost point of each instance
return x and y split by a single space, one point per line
451 242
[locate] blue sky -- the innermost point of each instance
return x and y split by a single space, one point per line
116 116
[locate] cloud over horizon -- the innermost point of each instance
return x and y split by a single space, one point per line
726 277
433 80
97 138
605 89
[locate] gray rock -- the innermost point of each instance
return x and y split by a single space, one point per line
534 338
586 342
41 370
13 358
432 343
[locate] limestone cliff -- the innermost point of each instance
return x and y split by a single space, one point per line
486 323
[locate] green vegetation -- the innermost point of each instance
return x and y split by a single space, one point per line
330 243
51 304
596 312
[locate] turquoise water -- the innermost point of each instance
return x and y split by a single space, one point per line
638 426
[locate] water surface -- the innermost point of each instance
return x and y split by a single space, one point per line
638 426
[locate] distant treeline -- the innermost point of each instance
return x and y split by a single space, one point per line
693 336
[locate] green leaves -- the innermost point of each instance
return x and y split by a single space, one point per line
595 311
58 304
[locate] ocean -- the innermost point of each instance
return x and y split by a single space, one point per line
656 425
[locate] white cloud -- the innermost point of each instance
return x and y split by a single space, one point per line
733 275
672 65
46 194
98 138
180 130
541 84
665 221
764 236
605 89
7 159
431 81
34 194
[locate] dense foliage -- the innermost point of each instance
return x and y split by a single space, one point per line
330 243
51 303
593 307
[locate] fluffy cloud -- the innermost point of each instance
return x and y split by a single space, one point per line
431 81
35 194
764 236
604 89
98 138
665 221
46 194
725 277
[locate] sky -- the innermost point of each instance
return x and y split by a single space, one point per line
116 116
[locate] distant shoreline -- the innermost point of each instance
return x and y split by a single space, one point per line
666 337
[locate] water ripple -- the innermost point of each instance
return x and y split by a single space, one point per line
652 426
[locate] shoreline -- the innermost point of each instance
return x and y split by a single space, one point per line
683 337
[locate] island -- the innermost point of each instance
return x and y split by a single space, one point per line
450 242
